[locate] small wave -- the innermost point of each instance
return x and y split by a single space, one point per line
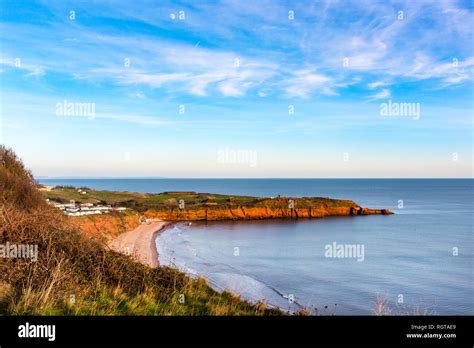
253 290
227 278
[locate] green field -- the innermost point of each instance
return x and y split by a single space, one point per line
192 200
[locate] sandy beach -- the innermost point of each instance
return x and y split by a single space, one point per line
140 242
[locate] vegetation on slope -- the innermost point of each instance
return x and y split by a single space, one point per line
76 275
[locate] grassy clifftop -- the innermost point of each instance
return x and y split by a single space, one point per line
145 201
185 206
192 200
75 275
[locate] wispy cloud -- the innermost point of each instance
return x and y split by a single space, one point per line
305 82
245 48
376 84
17 63
451 72
383 94
236 66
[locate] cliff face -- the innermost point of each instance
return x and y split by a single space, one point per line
105 227
256 213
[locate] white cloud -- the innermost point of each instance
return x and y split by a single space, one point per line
383 94
305 82
199 71
376 84
30 69
364 54
230 89
375 43
450 72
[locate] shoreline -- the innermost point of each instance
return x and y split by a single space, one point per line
220 287
140 242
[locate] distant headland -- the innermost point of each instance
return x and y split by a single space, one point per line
192 206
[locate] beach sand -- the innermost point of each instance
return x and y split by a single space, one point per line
140 242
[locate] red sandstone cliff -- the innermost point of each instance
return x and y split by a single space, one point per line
255 213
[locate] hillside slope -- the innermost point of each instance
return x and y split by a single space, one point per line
72 274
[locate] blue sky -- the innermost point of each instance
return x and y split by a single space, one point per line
237 68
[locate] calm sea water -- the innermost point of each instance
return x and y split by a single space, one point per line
419 260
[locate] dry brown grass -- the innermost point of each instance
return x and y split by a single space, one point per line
382 307
69 263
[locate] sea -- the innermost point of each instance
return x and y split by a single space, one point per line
417 261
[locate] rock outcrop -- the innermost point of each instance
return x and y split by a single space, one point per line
257 213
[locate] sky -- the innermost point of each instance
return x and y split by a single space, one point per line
228 89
